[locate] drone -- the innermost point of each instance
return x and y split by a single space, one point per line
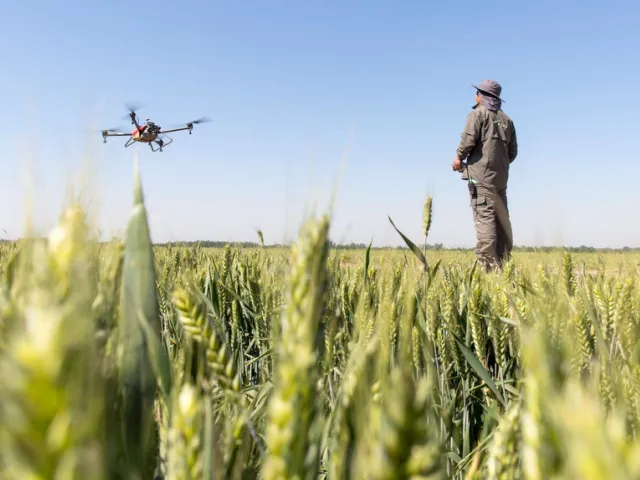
148 132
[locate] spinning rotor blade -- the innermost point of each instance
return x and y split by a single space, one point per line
114 130
194 122
200 120
132 108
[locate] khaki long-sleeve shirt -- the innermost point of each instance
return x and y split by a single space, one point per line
489 144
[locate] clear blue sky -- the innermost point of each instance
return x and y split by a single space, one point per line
296 88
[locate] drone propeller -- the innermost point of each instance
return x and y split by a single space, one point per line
132 108
193 122
200 120
113 130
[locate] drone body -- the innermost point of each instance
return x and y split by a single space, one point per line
148 132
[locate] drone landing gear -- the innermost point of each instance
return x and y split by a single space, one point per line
161 144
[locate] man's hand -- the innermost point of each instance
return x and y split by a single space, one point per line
457 165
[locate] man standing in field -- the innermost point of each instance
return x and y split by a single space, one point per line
488 143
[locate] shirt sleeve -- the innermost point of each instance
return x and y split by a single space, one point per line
513 145
470 135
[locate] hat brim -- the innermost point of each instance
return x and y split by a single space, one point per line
487 93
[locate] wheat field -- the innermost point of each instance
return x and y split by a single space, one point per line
123 360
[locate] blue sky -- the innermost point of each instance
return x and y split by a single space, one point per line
368 97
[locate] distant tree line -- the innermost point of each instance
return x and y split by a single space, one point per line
580 249
363 246
210 244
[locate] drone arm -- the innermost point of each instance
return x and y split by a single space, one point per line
106 133
115 134
176 130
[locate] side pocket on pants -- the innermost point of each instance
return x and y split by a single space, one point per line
478 200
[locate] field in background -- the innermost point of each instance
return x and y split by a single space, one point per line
614 262
125 360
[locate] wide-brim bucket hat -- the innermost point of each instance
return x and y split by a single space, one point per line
491 88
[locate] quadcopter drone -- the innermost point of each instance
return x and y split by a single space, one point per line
149 132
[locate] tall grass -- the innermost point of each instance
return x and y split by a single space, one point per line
124 361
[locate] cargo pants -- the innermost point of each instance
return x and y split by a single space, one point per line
492 224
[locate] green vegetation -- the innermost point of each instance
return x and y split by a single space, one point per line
124 360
